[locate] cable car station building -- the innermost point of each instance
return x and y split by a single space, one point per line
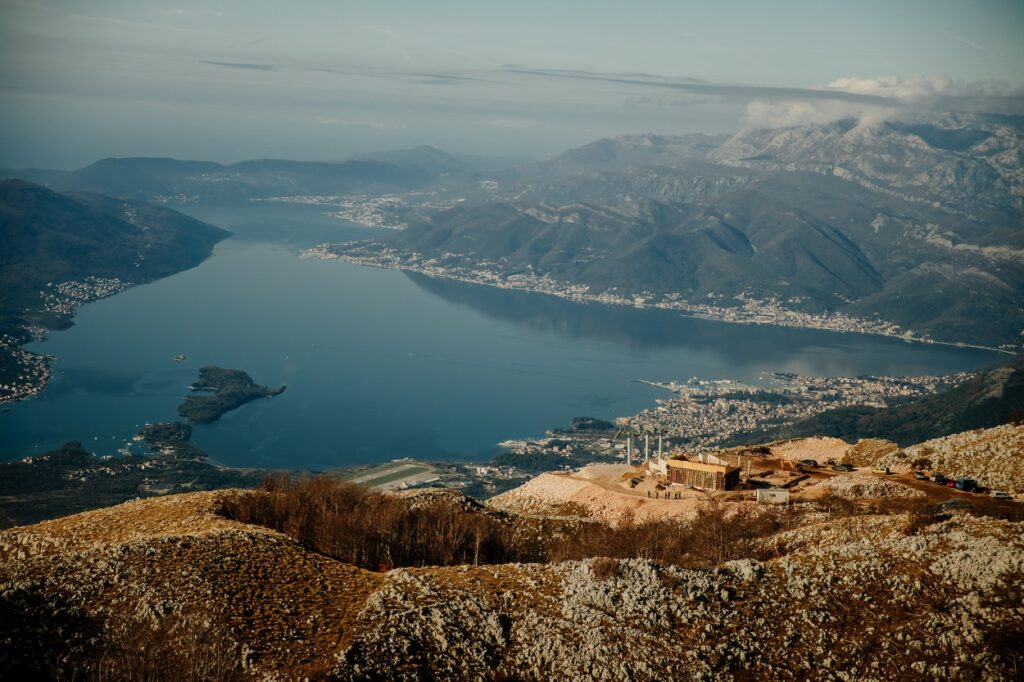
704 476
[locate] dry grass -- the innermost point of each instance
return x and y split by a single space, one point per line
292 608
229 589
173 649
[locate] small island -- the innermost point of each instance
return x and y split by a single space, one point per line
228 389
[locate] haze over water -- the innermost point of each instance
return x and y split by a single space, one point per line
383 364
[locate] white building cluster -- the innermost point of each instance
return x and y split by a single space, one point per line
64 298
709 413
744 308
31 371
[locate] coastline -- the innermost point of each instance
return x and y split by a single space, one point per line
60 303
63 305
752 311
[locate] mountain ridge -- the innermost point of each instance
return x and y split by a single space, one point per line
261 604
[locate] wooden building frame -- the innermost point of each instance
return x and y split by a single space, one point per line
703 476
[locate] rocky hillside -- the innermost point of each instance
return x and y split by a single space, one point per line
915 222
264 607
50 238
970 162
995 457
573 495
990 398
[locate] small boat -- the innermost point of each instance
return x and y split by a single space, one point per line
180 357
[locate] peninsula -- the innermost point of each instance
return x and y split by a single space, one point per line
228 389
62 251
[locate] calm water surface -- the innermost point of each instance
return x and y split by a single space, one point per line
384 364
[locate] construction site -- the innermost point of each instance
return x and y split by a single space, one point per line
656 483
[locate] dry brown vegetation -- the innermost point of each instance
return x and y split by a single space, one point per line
373 530
381 531
174 649
888 589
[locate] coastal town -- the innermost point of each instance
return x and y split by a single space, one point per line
64 298
705 414
388 211
702 415
744 308
27 373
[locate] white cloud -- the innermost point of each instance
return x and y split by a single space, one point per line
907 94
783 114
918 86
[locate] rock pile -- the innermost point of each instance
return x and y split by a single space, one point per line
867 451
865 487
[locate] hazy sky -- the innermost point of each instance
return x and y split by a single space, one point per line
322 80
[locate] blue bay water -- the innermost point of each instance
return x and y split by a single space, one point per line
384 364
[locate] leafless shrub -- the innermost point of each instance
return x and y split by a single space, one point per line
604 568
837 506
669 581
920 511
376 531
173 649
379 531
372 530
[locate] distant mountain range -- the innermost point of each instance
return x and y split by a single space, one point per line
430 160
171 180
912 223
963 163
917 222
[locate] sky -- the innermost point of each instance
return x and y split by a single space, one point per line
322 80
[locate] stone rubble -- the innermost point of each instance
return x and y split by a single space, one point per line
850 598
